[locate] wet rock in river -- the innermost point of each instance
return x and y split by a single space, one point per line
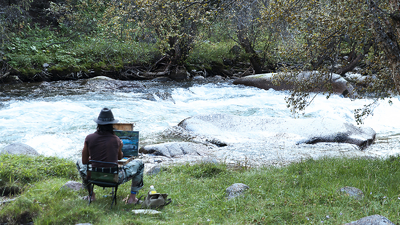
269 80
174 149
230 129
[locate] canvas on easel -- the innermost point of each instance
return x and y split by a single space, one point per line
130 139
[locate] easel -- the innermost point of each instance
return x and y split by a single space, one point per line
119 128
123 126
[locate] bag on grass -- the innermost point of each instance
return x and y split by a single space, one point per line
157 200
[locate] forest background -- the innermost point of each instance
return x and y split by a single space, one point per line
135 40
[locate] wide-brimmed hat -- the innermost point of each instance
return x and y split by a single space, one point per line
105 117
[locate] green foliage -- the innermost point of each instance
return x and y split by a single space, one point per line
23 170
28 52
205 52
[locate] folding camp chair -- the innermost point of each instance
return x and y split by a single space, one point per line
103 177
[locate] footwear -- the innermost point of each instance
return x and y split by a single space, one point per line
133 203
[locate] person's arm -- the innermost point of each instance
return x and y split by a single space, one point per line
120 153
85 154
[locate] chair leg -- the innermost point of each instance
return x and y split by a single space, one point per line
114 197
91 186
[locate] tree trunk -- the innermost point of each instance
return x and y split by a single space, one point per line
248 48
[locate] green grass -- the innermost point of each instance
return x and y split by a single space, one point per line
206 52
27 51
301 193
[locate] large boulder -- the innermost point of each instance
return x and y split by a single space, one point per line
268 80
223 130
174 149
261 141
19 149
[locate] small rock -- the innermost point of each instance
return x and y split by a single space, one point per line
372 220
154 170
76 186
352 192
45 65
161 79
101 78
236 190
218 77
198 78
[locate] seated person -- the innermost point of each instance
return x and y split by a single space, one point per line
104 145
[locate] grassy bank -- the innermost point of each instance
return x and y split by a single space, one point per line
302 193
43 53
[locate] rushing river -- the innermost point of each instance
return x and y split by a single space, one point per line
55 117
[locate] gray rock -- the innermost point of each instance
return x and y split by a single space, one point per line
161 79
352 192
209 160
222 130
166 96
218 77
267 81
73 185
236 190
174 149
351 135
372 220
155 169
198 78
101 78
19 149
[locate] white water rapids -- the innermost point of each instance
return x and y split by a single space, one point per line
55 117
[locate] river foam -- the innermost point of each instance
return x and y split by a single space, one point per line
55 118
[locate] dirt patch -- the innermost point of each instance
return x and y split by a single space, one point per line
23 218
7 191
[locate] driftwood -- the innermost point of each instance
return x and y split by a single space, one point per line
4 75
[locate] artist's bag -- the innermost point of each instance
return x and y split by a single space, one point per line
156 201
